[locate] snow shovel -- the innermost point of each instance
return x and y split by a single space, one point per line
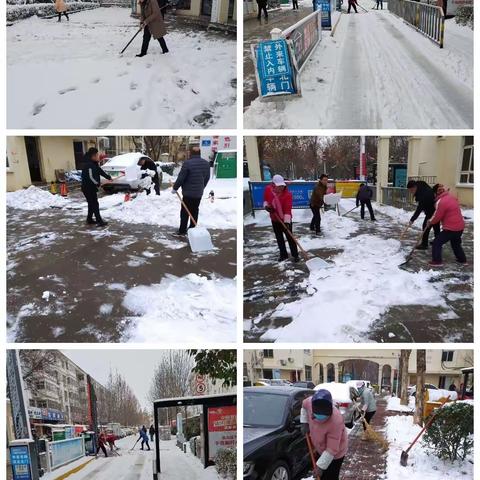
350 211
407 228
312 456
138 439
313 263
198 237
404 455
131 40
410 255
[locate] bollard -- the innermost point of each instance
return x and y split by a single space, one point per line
276 34
53 188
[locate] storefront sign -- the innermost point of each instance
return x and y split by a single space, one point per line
20 460
301 193
47 414
325 8
222 429
274 70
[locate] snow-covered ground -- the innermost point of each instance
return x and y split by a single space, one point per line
393 404
400 432
365 279
137 464
378 72
71 75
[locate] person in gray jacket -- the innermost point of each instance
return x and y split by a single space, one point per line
193 178
368 403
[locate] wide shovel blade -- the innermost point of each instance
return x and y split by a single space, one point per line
404 459
316 263
199 239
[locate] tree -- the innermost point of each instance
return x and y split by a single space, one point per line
404 359
419 396
151 146
36 365
217 364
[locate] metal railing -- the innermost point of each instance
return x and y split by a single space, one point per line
398 197
427 19
62 452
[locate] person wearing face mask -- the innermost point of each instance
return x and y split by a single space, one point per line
322 420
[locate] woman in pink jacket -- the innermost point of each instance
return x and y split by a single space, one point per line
324 422
450 216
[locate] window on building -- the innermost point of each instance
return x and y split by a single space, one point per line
245 369
466 169
42 404
442 381
268 353
40 385
183 5
447 356
267 373
308 373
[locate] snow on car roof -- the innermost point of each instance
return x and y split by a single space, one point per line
125 159
340 391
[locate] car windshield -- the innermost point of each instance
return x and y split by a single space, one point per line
263 409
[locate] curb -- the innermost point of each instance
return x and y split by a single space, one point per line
73 470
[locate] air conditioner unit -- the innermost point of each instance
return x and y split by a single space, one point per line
283 362
291 360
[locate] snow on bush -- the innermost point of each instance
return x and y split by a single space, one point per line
226 463
34 198
450 437
464 16
20 11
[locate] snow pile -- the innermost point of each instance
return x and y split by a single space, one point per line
400 432
340 391
393 404
201 308
366 273
34 198
156 91
436 395
165 209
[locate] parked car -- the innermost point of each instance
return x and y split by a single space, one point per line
126 173
309 385
356 383
273 444
412 389
346 398
273 382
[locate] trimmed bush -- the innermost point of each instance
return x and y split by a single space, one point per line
464 16
226 463
450 437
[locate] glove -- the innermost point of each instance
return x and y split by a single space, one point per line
410 222
144 175
151 173
305 428
269 209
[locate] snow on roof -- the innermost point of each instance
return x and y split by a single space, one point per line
125 159
340 391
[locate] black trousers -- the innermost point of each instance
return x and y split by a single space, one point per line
316 219
350 5
333 470
368 203
145 441
436 229
146 40
455 239
295 4
368 417
60 16
279 235
379 4
93 206
103 449
193 205
156 185
264 9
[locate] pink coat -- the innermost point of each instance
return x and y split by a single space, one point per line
448 213
330 435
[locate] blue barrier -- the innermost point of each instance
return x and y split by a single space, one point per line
301 193
65 451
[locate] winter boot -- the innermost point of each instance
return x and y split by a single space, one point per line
102 223
421 247
282 258
90 221
435 264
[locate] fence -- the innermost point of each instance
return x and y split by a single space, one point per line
61 452
427 19
398 197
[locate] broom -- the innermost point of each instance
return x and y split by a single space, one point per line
373 435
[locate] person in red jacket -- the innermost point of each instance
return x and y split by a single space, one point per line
110 438
101 443
277 200
449 215
352 3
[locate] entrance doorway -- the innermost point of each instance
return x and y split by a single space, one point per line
78 153
33 157
207 7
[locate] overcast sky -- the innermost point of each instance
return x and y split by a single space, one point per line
136 366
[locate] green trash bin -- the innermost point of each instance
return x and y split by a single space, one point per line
226 164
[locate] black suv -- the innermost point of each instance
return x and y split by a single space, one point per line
273 445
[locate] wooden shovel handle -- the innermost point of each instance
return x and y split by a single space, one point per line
305 254
405 231
184 206
312 455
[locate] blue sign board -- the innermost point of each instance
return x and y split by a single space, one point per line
301 193
400 177
274 68
206 143
326 9
20 460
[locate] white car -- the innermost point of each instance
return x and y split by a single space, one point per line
345 398
412 389
125 172
356 384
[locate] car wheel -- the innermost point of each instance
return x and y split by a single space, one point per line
279 471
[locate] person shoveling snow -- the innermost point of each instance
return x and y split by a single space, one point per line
317 201
364 198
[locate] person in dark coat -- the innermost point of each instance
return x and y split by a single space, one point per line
101 443
163 4
193 178
144 437
364 197
295 4
151 431
352 3
150 168
153 25
316 202
262 6
379 4
425 199
91 173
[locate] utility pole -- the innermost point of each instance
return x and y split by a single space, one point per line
363 160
